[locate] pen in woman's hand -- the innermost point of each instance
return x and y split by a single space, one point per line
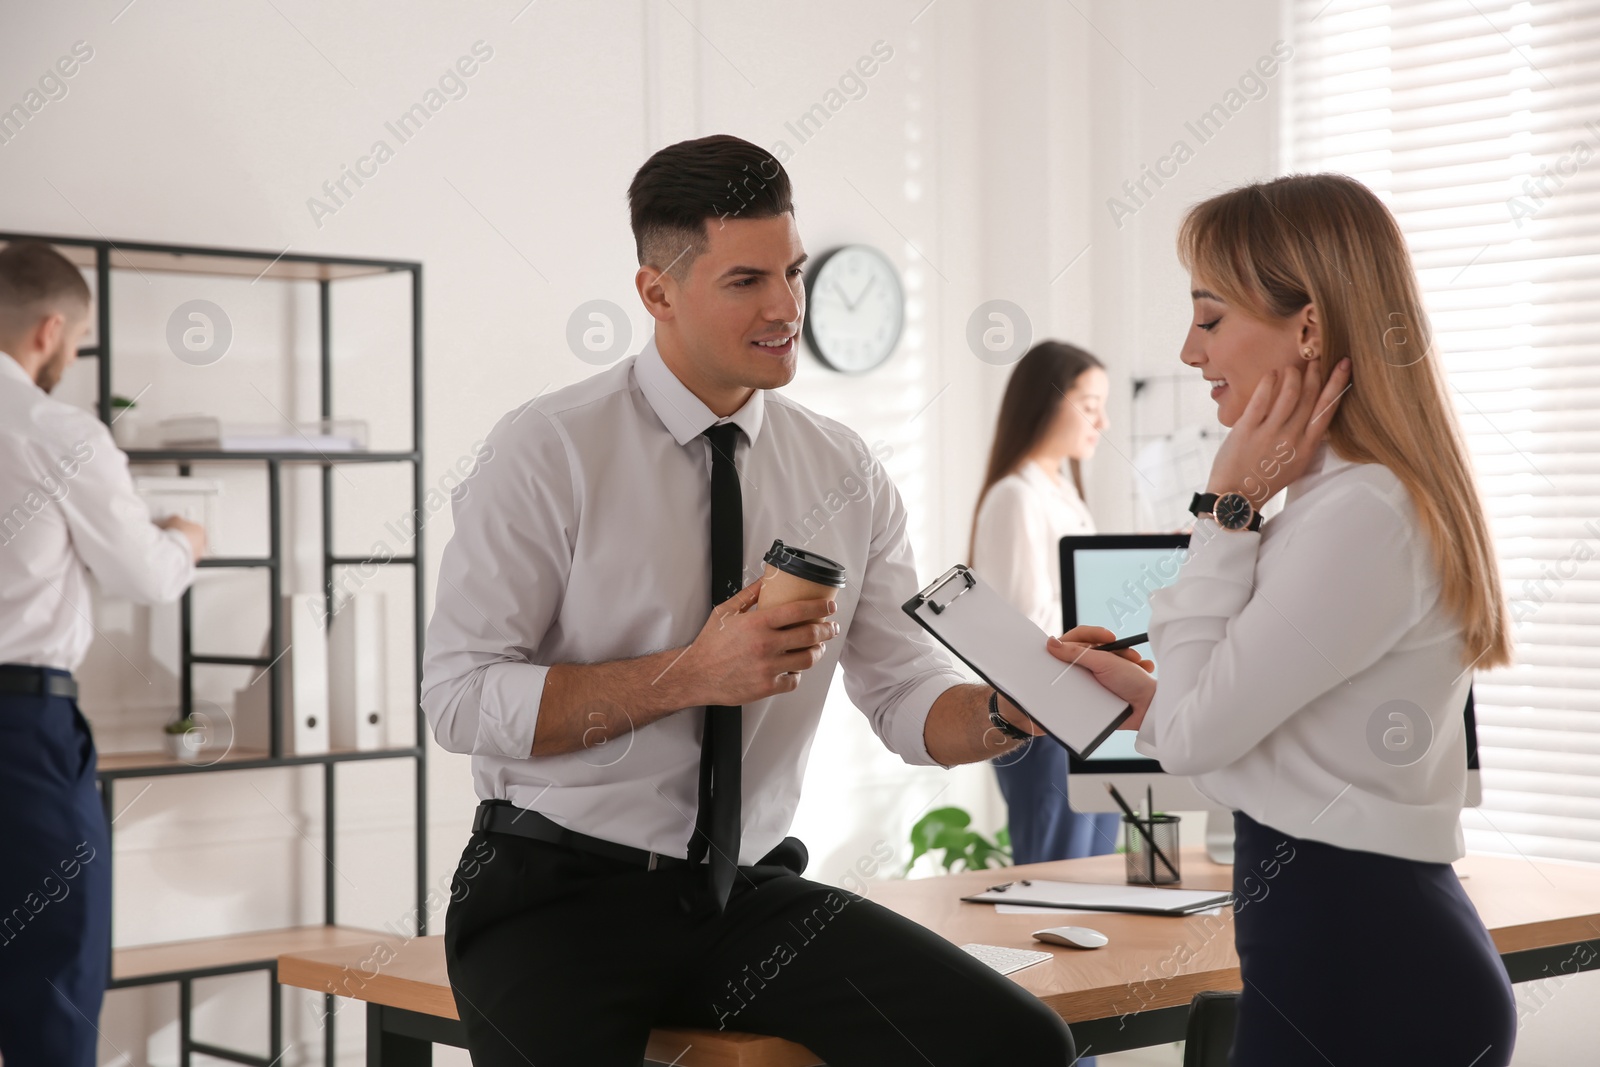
1126 642
1081 640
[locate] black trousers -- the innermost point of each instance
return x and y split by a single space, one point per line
55 884
559 957
1352 957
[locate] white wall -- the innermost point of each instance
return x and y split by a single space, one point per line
980 158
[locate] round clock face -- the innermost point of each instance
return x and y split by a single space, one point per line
855 308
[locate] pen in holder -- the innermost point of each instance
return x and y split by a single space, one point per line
1145 866
1152 847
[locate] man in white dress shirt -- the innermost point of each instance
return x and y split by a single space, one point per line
577 652
67 510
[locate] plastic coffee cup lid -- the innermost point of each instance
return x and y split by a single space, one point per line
808 565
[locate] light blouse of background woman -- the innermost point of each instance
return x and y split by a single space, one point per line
1051 418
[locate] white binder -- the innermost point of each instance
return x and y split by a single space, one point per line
304 667
1008 651
357 703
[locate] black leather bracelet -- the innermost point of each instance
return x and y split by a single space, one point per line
1000 722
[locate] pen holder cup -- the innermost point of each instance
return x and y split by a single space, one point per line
1144 866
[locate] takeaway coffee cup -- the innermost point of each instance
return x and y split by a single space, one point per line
795 574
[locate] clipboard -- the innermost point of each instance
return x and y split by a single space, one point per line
1094 896
1008 652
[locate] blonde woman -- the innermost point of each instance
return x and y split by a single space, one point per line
1314 673
1051 417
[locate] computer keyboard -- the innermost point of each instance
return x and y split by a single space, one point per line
1005 960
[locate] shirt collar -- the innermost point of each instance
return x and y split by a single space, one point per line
1325 464
683 414
1040 478
10 368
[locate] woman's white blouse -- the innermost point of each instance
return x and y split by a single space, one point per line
1021 521
1309 676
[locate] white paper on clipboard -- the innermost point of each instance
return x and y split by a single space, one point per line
1008 651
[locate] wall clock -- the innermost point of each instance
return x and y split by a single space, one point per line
855 309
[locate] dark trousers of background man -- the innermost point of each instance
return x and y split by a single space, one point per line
559 957
55 883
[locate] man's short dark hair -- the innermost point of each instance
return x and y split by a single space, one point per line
36 281
682 186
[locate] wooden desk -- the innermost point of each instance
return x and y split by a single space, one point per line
1544 917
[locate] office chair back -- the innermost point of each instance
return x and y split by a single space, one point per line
1209 1035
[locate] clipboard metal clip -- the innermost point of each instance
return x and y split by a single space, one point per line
958 571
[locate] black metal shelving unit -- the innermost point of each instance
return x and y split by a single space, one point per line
149 965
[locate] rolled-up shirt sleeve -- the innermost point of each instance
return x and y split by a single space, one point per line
129 556
1241 648
893 670
501 581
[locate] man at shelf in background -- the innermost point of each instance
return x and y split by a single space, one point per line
67 510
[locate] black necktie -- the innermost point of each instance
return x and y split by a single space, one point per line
717 822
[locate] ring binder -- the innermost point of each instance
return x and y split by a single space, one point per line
958 571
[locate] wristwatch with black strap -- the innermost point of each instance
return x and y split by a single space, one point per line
1233 511
1001 723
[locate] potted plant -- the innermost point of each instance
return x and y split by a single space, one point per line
948 830
125 421
186 738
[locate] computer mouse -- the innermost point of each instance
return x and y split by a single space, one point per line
1071 936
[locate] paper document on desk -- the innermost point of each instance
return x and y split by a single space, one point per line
1097 896
1036 909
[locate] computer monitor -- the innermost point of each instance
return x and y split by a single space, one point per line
1106 580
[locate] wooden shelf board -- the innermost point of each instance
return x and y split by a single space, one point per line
124 761
210 953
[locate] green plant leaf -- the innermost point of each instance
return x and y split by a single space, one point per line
933 831
948 830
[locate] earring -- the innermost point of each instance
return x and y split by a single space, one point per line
1308 352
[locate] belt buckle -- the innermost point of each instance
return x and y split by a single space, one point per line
654 856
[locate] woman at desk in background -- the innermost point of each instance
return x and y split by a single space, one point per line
1051 418
1314 674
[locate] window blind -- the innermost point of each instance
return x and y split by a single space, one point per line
1478 123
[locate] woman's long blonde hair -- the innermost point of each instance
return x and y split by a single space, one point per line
1271 248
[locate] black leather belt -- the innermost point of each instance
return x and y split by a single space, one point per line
502 817
36 681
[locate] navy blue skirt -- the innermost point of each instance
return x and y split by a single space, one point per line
1354 957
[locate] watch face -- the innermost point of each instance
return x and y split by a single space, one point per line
855 307
1233 511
